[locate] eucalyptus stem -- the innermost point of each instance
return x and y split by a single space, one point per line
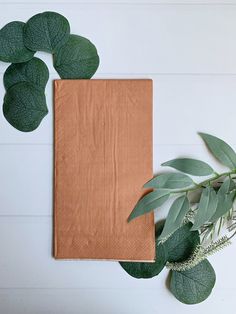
220 225
202 184
232 235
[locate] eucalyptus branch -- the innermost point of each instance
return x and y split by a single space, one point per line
204 183
185 240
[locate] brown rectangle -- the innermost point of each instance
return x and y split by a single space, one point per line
103 156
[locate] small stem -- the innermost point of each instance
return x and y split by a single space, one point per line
232 235
212 232
229 215
205 182
220 225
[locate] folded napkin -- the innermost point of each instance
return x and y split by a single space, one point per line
103 156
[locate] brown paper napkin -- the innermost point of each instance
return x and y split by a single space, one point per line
103 156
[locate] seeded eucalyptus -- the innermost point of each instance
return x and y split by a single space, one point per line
75 57
193 228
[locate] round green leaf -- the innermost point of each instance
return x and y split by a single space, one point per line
181 244
12 47
77 59
34 71
148 270
24 106
194 285
46 31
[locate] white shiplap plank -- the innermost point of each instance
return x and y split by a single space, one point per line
107 301
83 301
149 38
186 105
26 262
127 2
26 179
27 170
183 105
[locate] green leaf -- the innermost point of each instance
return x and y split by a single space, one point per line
34 71
225 197
77 59
191 166
175 216
226 187
206 209
148 270
24 106
12 48
181 244
170 181
149 202
221 150
194 285
46 31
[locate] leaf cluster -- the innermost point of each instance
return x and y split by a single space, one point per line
192 276
74 57
189 286
217 193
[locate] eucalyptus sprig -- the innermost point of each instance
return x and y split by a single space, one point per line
193 229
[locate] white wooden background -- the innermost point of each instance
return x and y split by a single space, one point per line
188 47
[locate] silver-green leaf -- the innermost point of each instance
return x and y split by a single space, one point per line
191 166
149 202
170 181
220 149
206 209
175 216
225 198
